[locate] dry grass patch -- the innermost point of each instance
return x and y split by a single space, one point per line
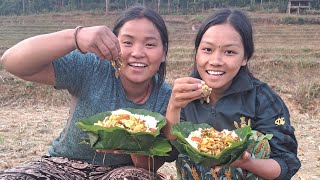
28 131
300 79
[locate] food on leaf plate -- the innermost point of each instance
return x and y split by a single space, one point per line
209 147
129 121
211 141
129 130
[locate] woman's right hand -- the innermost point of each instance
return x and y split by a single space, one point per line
99 40
185 90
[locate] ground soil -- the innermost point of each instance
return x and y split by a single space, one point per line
26 132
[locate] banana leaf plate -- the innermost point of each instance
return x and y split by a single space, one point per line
225 157
117 138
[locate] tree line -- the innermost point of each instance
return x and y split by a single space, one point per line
25 7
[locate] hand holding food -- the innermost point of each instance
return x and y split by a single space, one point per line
99 40
185 90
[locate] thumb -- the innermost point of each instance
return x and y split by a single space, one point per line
246 155
217 168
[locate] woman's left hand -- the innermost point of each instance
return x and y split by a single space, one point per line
244 159
139 160
147 162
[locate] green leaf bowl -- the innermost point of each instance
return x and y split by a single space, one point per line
227 156
117 138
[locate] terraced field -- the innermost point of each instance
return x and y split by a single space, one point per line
287 57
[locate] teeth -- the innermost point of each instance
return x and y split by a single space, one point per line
138 64
215 72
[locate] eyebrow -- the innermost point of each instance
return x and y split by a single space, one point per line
148 38
224 45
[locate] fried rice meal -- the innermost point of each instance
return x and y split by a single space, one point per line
131 122
211 141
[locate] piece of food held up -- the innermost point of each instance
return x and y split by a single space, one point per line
116 64
206 91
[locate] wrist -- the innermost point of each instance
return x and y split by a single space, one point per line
173 109
75 38
247 164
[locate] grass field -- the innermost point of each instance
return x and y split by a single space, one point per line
287 57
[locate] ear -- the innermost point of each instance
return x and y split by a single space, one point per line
244 62
163 59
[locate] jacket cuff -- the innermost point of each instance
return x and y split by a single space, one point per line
284 169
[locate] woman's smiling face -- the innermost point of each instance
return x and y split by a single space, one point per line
219 56
142 50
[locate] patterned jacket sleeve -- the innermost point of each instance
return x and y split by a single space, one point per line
272 116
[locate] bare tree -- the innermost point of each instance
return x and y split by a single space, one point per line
178 5
107 6
81 4
23 7
159 3
59 4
